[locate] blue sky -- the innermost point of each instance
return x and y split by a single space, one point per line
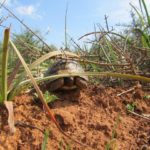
48 16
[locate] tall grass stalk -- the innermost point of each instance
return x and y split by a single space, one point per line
33 81
4 65
66 44
27 83
4 90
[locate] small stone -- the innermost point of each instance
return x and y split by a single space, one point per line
138 94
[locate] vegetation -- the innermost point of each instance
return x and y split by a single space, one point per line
112 58
131 107
147 97
112 143
45 141
50 98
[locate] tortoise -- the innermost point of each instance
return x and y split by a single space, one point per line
66 83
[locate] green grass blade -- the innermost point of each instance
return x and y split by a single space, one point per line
50 55
46 135
66 44
106 55
146 11
50 98
141 9
33 81
101 32
139 15
40 60
4 65
145 38
108 43
27 83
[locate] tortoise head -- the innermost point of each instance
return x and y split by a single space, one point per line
67 83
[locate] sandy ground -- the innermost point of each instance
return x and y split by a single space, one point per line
92 116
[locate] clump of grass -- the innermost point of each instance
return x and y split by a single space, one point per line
50 98
131 107
112 144
147 97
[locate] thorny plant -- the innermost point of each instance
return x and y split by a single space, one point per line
131 47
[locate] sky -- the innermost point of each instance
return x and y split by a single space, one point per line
48 16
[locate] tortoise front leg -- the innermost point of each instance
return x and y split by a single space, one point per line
55 85
80 82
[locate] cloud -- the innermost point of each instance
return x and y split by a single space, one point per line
29 10
122 13
26 10
48 29
120 16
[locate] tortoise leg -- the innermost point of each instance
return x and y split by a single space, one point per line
54 85
80 82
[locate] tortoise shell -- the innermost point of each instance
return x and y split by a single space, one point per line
66 83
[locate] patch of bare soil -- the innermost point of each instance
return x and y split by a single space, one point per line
90 116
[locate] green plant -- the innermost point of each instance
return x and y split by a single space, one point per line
45 141
66 44
39 92
27 83
143 29
4 90
50 98
4 86
4 67
131 107
130 47
33 81
147 97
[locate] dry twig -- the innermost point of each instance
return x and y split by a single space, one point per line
148 119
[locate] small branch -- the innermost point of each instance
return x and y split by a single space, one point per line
137 86
25 25
139 115
101 32
125 92
106 21
3 19
1 5
91 33
93 62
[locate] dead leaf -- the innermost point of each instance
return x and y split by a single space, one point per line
11 122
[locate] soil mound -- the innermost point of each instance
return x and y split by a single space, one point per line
95 116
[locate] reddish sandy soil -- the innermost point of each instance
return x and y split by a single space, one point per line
89 116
